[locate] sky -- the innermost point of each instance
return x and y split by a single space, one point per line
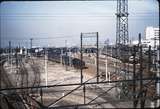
54 23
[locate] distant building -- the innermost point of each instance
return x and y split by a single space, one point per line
151 33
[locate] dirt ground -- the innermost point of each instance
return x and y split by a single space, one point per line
59 96
60 74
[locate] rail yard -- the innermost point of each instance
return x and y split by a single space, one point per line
84 70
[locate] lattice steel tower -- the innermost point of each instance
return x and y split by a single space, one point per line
122 37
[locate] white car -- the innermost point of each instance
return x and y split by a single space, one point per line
131 59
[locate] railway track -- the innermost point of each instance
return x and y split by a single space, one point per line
7 97
20 96
36 71
5 80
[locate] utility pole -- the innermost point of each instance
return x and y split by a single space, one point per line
8 52
11 59
70 53
134 76
45 65
17 57
106 63
84 93
158 64
149 60
106 70
141 77
26 50
10 55
66 59
31 46
139 39
81 60
155 48
62 56
158 75
97 58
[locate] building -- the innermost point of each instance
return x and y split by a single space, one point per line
151 33
151 37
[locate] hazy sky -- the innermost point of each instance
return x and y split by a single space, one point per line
21 21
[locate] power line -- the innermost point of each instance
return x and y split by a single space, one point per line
140 15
